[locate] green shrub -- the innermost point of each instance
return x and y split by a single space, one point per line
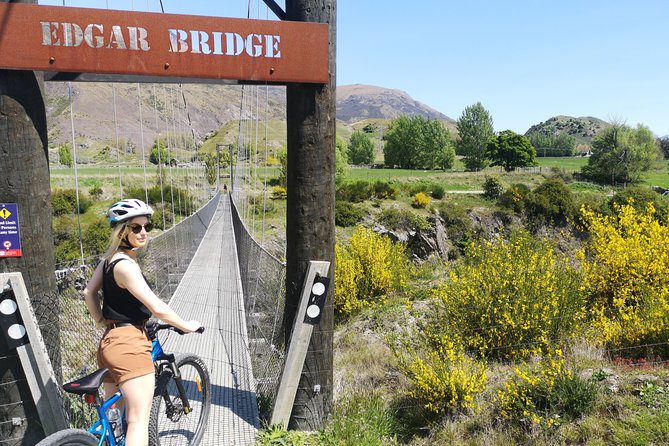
492 188
544 394
638 197
420 200
347 214
395 218
560 173
551 202
262 206
514 197
384 190
64 201
174 197
423 186
96 237
95 192
355 192
438 191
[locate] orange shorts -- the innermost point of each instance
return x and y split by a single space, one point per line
126 352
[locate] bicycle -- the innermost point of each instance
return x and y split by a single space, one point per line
180 408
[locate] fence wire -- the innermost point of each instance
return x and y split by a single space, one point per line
263 281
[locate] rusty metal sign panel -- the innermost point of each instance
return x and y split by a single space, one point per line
81 40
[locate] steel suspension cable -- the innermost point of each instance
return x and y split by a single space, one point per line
141 133
76 175
169 154
118 149
160 160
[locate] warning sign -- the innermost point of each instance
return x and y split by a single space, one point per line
10 239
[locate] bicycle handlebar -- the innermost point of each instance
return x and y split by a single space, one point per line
154 327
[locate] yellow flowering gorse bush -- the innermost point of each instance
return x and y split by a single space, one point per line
368 268
442 379
420 200
626 266
525 397
508 299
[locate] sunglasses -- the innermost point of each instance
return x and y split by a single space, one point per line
137 228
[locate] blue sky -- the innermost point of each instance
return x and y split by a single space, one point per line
525 61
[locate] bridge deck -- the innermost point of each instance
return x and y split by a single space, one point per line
211 292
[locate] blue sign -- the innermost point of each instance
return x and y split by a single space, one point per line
10 239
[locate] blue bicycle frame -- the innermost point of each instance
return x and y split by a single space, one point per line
102 428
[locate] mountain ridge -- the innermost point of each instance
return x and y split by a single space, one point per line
135 115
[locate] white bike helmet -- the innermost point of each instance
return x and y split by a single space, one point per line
126 209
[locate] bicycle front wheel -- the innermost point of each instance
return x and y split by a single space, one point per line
171 423
69 437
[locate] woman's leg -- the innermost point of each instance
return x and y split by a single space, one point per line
138 395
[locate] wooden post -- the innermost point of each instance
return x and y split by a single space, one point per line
310 234
36 365
25 181
297 350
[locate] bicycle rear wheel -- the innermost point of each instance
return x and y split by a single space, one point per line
69 437
169 423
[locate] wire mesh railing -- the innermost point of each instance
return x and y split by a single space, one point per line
263 281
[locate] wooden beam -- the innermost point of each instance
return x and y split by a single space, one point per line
276 9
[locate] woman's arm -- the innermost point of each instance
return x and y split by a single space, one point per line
91 295
129 276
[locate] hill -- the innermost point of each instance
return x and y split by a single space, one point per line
109 114
583 129
358 102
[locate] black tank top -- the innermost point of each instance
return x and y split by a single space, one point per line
118 303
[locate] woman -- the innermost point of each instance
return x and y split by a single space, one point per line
128 302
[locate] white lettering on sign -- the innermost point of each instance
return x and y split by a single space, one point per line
228 44
94 35
135 38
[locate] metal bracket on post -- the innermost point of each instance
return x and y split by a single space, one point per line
314 290
33 356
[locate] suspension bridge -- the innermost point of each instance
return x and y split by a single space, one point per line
207 261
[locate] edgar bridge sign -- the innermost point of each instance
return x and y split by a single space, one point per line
109 42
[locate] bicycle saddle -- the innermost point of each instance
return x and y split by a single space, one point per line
88 384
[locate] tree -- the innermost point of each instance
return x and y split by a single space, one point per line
511 150
417 142
211 167
25 161
360 149
65 155
282 154
400 143
664 146
475 130
620 154
341 161
159 153
437 149
561 144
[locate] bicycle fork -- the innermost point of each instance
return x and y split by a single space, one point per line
173 411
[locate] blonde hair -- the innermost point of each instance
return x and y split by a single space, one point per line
119 232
